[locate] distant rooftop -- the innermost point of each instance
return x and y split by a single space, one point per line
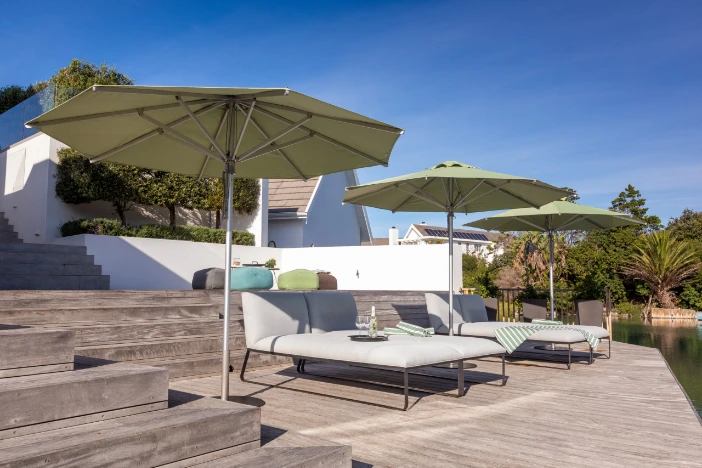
290 195
465 234
377 241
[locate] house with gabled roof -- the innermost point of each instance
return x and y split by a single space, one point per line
310 213
480 243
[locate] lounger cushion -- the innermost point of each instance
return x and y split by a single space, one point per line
599 332
401 353
274 313
437 306
331 310
487 330
472 307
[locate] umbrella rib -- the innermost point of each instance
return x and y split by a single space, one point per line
243 128
177 136
419 195
529 223
375 192
213 142
275 137
274 147
219 130
280 151
571 221
421 191
406 200
494 189
152 133
458 203
80 118
360 123
515 196
263 94
595 223
329 140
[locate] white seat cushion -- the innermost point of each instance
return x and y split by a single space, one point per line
599 332
393 353
487 330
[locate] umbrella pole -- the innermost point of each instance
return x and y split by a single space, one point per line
450 238
550 272
229 168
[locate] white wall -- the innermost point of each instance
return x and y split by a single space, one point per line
135 263
32 207
412 268
329 222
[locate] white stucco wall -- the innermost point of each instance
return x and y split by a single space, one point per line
36 213
135 263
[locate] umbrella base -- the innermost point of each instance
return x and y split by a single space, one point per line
551 347
453 365
246 400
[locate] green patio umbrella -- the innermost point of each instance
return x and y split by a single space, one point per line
452 187
206 132
556 216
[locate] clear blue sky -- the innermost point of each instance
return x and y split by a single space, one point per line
588 94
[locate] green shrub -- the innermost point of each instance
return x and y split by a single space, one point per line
629 308
109 227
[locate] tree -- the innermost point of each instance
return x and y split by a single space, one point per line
79 181
171 190
663 263
12 95
79 75
574 197
631 202
246 192
688 226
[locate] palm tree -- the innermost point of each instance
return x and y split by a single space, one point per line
664 263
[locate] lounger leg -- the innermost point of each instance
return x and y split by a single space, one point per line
591 354
406 391
569 348
243 366
461 381
299 363
302 365
504 377
609 352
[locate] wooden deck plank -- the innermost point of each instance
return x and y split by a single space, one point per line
626 411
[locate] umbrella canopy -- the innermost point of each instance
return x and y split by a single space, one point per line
247 132
450 187
559 215
267 132
453 186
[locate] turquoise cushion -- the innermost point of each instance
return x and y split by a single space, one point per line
298 280
251 278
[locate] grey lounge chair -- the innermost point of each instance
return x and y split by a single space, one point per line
589 314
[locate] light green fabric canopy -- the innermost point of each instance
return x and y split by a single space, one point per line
555 216
559 215
453 186
265 133
278 133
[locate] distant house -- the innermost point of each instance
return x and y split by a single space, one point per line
480 243
310 213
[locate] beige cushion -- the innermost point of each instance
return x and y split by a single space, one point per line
273 313
599 332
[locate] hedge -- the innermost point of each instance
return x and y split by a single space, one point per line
110 227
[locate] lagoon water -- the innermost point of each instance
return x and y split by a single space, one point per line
680 342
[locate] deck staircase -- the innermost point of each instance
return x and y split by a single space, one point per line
122 414
45 266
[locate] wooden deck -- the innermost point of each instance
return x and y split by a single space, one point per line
625 412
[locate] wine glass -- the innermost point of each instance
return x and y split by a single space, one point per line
359 320
365 321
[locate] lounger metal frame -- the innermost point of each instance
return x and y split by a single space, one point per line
405 370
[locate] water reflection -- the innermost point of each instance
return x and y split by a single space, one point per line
680 342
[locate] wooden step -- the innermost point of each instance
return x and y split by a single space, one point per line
286 457
50 269
44 249
46 402
202 430
43 282
28 351
42 257
106 314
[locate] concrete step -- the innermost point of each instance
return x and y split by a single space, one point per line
155 349
28 351
57 249
63 313
63 282
191 433
39 403
286 457
50 269
131 331
43 257
8 236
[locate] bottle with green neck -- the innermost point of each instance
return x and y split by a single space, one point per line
373 326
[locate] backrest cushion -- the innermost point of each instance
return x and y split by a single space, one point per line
331 311
472 308
273 314
534 309
438 307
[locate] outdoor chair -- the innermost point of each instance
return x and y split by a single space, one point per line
589 312
534 309
491 308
